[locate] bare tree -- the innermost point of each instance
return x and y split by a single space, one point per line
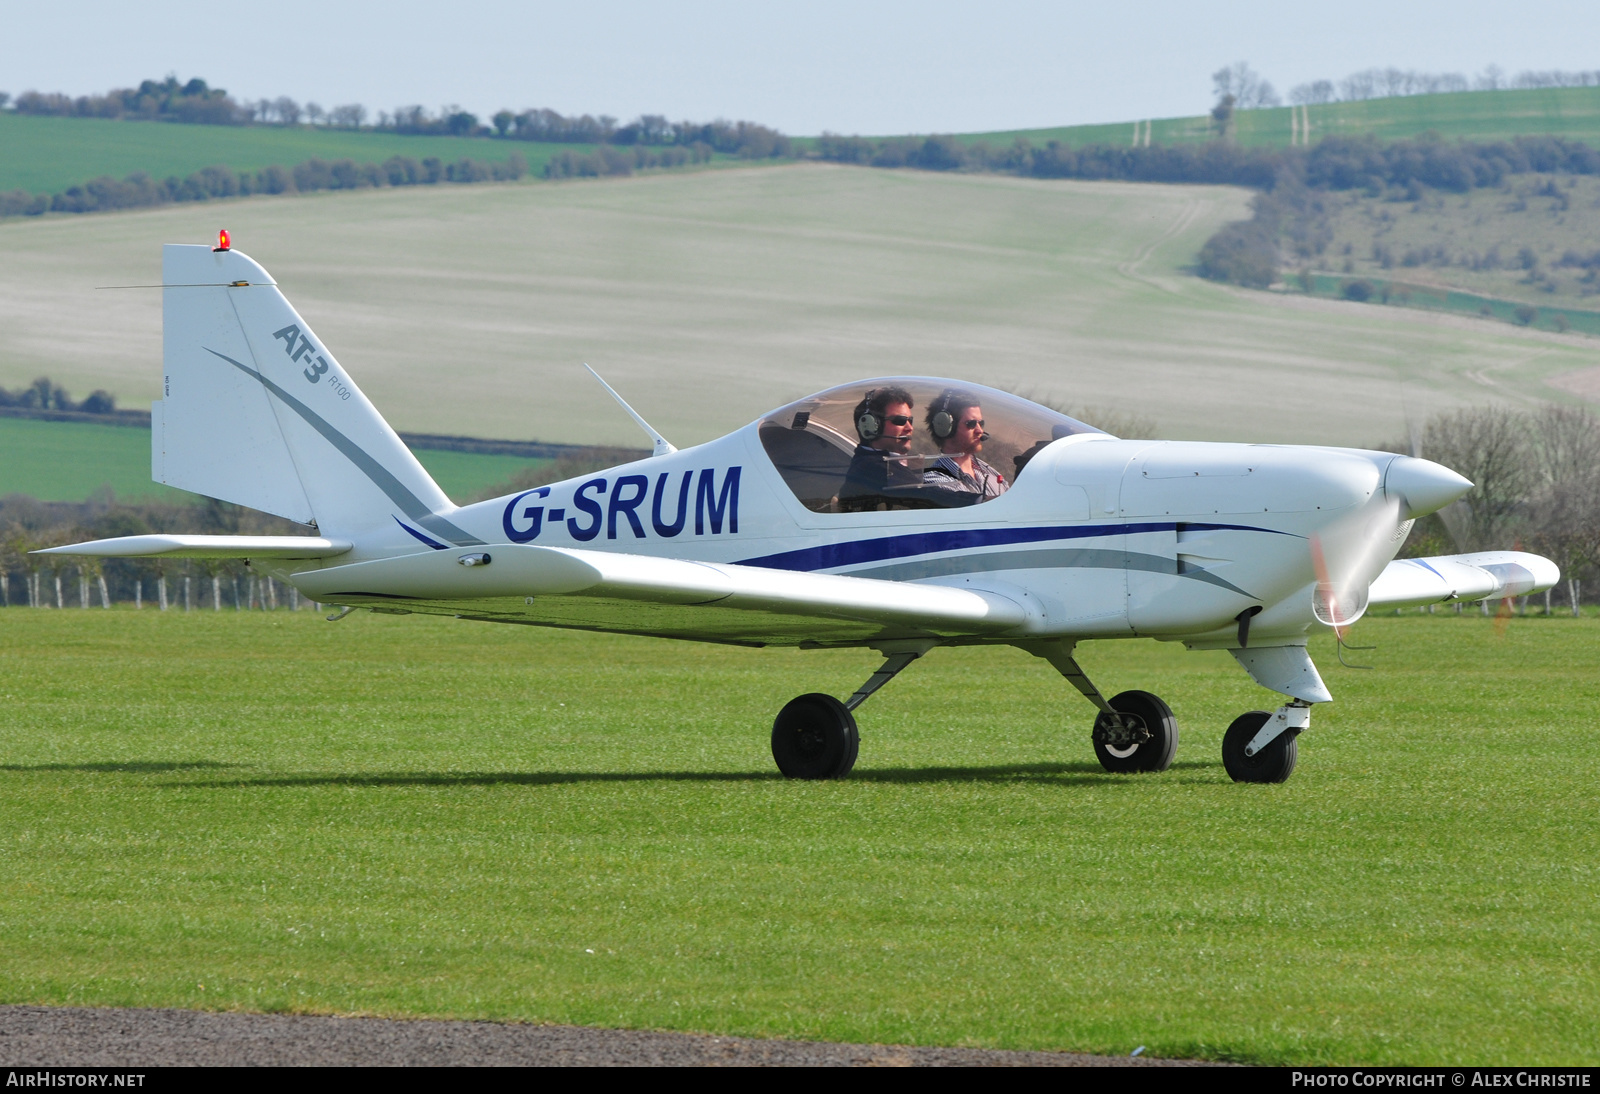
1564 505
1312 94
11 558
1358 86
287 110
348 116
1249 90
315 113
1491 446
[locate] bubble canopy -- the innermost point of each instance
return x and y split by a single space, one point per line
817 444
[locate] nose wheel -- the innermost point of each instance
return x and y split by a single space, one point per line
1272 762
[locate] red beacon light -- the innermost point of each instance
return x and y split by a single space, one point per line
223 243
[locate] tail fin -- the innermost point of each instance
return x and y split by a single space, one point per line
256 410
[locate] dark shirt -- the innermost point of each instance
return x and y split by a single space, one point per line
876 477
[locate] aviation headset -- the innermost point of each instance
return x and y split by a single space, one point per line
869 425
941 422
869 422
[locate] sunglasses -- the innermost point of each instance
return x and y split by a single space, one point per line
898 419
973 423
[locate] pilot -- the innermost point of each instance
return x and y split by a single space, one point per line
877 468
960 478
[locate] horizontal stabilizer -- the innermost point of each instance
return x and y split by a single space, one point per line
1413 582
527 571
163 546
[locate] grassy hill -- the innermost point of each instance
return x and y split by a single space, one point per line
68 461
1536 240
709 298
1475 115
45 155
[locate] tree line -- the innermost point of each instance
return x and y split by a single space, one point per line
748 140
46 394
1385 83
195 102
139 189
1334 163
1240 87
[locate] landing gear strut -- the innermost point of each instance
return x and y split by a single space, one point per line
815 735
1134 731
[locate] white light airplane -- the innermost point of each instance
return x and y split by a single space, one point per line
786 533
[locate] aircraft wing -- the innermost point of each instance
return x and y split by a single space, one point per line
1413 582
601 590
205 547
172 546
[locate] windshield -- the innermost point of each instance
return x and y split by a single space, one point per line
908 442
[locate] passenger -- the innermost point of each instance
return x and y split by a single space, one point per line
878 468
958 476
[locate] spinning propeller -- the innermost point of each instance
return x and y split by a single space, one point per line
1347 557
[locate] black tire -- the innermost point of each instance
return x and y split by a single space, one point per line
1153 754
1273 764
815 737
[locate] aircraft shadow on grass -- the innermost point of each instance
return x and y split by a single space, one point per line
135 767
1058 774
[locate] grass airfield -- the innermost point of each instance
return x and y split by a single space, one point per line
423 817
708 298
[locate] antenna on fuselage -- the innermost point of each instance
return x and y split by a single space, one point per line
663 446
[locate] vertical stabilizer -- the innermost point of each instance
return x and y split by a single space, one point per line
256 410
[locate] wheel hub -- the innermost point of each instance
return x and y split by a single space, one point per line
1118 730
811 741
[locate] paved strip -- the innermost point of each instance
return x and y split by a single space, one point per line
94 1037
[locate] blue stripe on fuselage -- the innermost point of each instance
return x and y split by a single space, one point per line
854 552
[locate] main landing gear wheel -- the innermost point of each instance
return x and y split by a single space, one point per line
1273 764
815 737
1145 738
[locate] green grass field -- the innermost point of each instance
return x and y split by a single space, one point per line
709 298
68 461
45 155
1470 115
424 817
